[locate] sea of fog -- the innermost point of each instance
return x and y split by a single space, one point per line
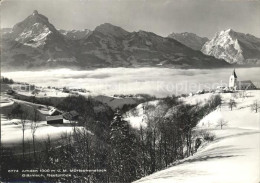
154 81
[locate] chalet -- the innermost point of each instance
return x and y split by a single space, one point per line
72 115
54 119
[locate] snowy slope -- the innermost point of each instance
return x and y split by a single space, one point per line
234 47
76 34
234 155
234 159
137 117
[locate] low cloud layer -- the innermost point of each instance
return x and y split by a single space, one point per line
154 81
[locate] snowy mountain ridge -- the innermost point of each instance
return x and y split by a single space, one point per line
35 36
76 34
234 47
35 43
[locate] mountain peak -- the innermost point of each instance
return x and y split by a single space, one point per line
234 47
109 29
35 31
31 20
189 39
229 32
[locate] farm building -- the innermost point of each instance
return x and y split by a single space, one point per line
54 119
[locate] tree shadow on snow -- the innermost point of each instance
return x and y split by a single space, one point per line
219 152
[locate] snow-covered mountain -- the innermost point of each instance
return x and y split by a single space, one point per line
234 47
34 29
109 45
189 39
35 43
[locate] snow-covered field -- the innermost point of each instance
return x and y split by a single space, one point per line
153 81
234 155
11 132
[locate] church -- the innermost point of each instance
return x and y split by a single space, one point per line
234 84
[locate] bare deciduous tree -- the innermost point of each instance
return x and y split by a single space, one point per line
232 103
17 111
23 123
221 123
34 126
255 106
235 95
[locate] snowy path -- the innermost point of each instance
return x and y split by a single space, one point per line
231 159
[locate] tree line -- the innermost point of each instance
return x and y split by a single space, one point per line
6 80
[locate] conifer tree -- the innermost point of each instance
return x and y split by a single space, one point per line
123 163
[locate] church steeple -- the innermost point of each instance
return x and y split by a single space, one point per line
233 80
234 74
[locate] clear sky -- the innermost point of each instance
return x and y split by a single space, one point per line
203 17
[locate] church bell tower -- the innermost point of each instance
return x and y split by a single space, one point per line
233 80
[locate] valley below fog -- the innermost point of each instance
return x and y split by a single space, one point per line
154 81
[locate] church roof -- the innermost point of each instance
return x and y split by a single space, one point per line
246 83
